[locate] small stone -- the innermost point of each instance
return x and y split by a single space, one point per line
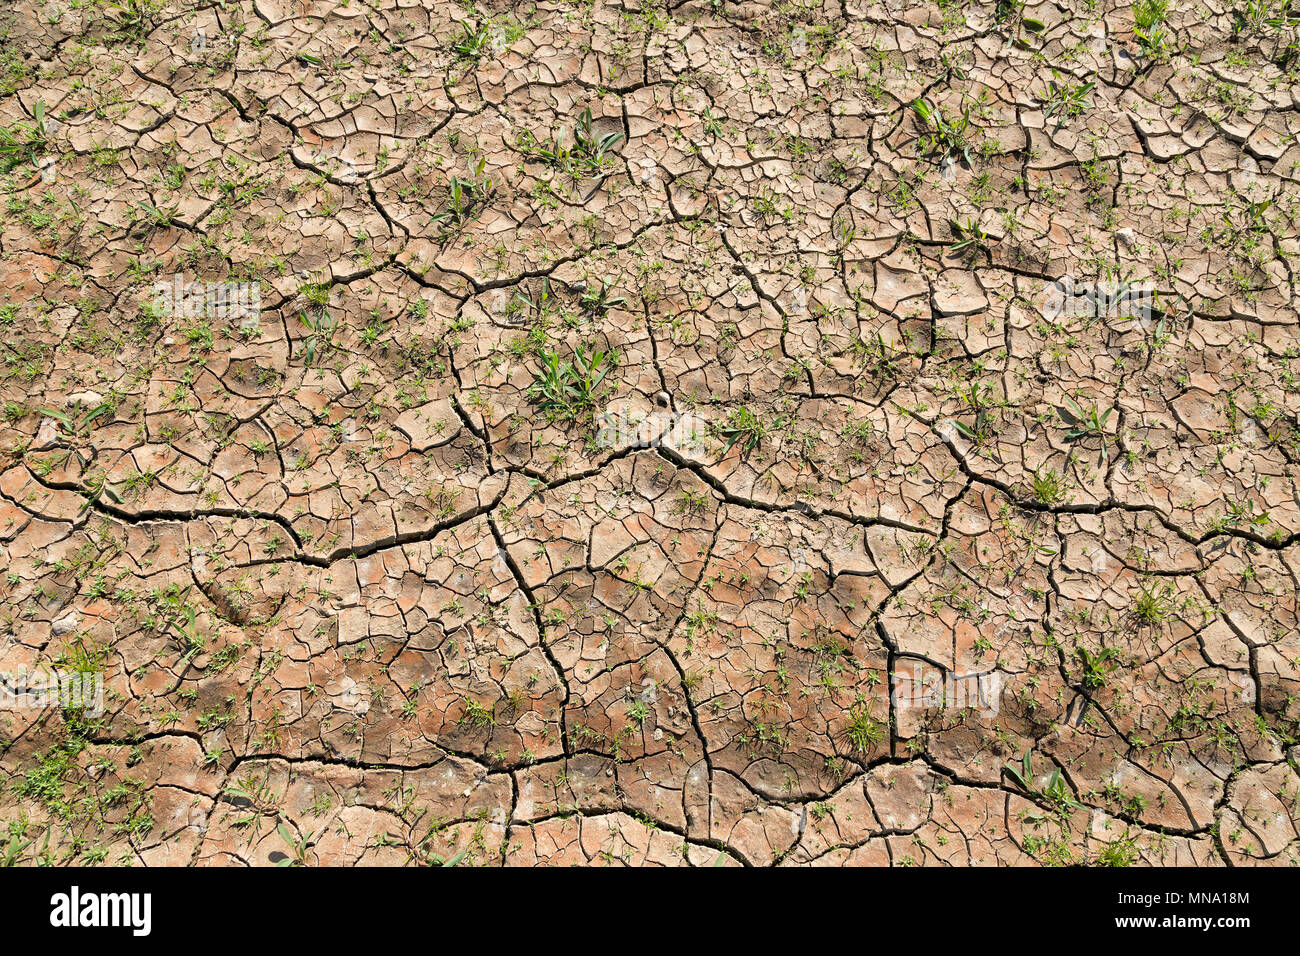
1127 236
65 625
47 435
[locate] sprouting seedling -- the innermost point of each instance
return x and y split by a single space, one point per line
473 41
1084 423
1049 487
24 142
864 731
943 133
592 147
1056 791
977 398
972 239
157 218
537 307
1024 774
78 423
744 427
565 388
1013 12
322 329
1240 512
1258 14
1153 604
553 153
435 860
878 355
597 300
844 231
1148 19
1064 101
97 487
588 153
1255 215
133 18
1097 667
189 631
465 198
591 368
18 844
297 846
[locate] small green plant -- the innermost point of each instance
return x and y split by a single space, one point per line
434 859
12 852
588 154
1258 18
317 293
592 148
1148 20
943 133
321 340
1083 423
297 846
478 715
1063 100
597 300
692 502
133 19
1122 851
864 731
193 638
78 422
978 399
23 142
1240 512
472 41
154 217
878 356
742 427
1097 667
566 388
1012 12
859 432
466 198
533 308
1056 791
1154 603
1049 487
971 238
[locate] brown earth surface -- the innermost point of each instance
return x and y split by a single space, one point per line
658 435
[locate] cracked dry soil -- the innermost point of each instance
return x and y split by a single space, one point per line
655 435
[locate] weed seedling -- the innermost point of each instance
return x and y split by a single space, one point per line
23 142
565 389
1064 101
587 155
472 42
1097 667
942 133
743 427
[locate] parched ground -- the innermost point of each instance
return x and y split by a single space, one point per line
586 480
